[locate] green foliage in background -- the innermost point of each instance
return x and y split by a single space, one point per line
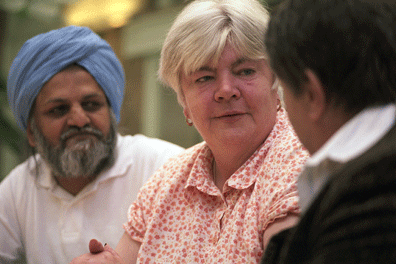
9 133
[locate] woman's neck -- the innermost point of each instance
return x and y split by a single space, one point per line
228 161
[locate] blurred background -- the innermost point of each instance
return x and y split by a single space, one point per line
135 29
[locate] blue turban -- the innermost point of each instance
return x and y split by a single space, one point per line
44 55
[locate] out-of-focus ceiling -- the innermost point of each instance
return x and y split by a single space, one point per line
96 14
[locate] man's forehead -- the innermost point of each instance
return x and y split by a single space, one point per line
71 82
61 99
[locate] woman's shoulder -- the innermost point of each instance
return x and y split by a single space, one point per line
178 168
187 156
285 144
283 154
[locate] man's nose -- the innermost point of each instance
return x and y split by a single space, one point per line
78 117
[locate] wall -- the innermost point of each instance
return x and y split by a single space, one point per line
160 115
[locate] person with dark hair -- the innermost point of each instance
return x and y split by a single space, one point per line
65 88
336 60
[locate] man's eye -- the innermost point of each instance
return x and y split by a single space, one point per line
59 110
91 106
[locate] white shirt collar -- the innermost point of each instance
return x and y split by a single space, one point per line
357 135
350 141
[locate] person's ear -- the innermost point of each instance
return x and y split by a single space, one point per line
315 96
188 119
30 135
185 112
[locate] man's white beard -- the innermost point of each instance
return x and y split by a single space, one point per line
83 159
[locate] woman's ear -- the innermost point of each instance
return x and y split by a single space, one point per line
315 96
185 112
188 119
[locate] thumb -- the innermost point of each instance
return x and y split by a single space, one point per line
95 246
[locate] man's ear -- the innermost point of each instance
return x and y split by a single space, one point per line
316 97
30 135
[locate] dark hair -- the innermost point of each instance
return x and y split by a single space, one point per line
349 44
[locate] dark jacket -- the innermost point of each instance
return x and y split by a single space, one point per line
352 220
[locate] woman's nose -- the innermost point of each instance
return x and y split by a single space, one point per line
227 88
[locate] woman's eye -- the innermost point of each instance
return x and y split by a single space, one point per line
246 72
204 79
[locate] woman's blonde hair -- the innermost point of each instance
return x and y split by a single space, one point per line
201 31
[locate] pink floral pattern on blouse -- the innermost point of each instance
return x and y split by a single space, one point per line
180 216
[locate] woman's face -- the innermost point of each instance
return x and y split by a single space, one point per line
231 102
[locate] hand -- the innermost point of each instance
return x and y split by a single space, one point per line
98 254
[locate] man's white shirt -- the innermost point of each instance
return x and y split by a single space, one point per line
40 218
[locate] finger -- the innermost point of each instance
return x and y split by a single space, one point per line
95 246
109 249
113 253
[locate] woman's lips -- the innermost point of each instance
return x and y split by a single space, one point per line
231 117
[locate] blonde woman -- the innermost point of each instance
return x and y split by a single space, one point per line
221 200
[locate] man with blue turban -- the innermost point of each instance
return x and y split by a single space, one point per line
65 88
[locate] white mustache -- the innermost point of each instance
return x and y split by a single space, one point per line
80 131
